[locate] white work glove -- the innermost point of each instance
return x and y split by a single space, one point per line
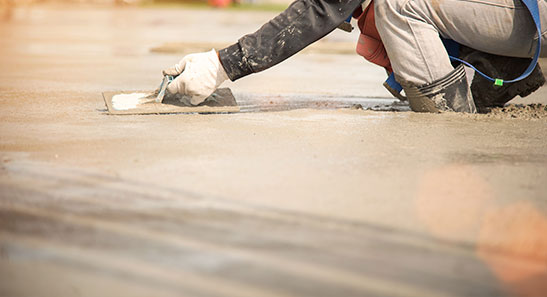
199 75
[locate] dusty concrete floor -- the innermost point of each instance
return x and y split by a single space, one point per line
303 202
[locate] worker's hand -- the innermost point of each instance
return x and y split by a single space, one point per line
199 75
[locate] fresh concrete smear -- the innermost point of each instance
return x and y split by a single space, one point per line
520 111
127 101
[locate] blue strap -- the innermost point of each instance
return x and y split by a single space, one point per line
533 8
452 48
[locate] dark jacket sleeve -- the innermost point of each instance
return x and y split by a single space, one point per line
302 23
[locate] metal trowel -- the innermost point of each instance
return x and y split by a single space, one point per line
161 102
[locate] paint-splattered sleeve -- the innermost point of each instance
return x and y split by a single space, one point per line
302 23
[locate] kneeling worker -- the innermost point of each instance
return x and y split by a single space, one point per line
408 38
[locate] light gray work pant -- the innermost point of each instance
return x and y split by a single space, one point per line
410 32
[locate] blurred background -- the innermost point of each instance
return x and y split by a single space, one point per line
8 5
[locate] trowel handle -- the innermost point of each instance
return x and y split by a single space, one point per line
163 87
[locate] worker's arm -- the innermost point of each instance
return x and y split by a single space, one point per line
305 21
302 23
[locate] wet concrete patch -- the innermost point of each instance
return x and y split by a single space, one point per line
283 102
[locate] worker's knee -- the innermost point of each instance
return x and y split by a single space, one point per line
383 9
396 10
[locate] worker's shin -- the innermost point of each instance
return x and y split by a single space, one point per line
450 93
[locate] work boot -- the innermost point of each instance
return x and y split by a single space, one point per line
485 93
450 93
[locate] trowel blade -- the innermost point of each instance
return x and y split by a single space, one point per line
221 101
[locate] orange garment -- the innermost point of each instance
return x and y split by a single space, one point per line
370 44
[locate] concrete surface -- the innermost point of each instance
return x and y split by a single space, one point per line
302 202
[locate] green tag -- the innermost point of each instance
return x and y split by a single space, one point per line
498 82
